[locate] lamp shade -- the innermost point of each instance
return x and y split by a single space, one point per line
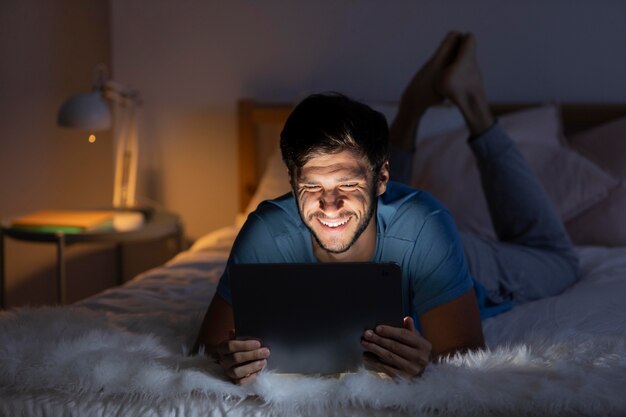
88 111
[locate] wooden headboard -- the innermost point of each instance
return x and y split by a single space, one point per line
260 125
254 146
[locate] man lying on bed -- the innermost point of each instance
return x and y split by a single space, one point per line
344 208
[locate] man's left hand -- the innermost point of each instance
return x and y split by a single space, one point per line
396 351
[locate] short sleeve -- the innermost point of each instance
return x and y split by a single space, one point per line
254 244
439 269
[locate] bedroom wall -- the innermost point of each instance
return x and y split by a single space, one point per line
192 60
48 50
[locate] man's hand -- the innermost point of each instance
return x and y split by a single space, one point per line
241 360
398 352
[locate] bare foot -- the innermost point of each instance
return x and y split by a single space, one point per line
421 93
461 82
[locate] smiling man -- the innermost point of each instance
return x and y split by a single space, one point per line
336 201
344 208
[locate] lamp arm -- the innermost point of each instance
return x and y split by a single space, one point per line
124 189
120 94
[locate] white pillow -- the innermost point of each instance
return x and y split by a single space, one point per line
274 183
444 165
437 119
440 119
605 145
604 223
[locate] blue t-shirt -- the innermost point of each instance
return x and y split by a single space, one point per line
413 230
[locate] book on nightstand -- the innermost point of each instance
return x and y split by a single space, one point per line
66 221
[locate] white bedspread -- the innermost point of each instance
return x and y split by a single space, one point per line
124 352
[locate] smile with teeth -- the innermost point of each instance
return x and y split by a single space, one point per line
333 223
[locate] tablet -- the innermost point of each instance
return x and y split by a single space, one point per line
312 316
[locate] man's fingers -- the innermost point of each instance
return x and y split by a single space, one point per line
408 324
242 358
405 336
247 379
401 351
236 358
238 373
373 362
235 345
400 357
386 355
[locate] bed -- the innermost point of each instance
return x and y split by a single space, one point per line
125 351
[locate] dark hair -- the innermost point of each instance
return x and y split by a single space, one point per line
331 123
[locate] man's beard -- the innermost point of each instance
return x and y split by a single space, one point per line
365 221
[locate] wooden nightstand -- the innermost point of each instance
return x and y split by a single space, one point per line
157 225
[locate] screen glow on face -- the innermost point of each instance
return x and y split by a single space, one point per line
336 199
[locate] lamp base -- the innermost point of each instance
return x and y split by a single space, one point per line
146 211
126 221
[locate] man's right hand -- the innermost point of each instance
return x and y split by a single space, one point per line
241 360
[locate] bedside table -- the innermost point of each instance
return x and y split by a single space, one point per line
157 225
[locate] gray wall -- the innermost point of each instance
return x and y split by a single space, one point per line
192 60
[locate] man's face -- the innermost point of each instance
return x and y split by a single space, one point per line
336 195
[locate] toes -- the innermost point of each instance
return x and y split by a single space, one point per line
446 50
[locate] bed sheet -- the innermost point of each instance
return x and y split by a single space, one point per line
125 352
594 306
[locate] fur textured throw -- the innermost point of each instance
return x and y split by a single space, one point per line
94 363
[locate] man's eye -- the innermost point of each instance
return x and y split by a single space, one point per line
312 187
349 186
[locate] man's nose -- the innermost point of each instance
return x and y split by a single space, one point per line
331 201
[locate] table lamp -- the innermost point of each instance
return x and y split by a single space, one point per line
91 112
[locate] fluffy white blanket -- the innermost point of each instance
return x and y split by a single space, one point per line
125 353
57 360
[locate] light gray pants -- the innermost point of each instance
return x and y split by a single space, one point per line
533 256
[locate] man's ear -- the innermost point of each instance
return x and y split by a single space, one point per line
382 178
